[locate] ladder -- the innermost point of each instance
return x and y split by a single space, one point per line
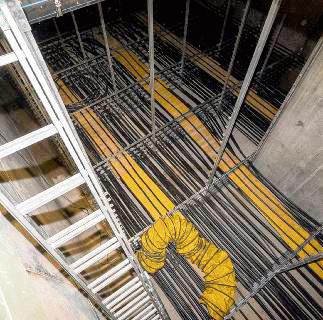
136 298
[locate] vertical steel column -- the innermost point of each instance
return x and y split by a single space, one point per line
273 43
78 35
57 30
187 12
107 48
224 23
235 50
150 7
246 82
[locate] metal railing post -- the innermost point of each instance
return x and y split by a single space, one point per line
150 7
107 48
246 83
187 11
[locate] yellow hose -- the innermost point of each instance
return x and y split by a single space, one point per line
219 277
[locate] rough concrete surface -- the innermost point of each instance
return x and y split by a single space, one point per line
292 157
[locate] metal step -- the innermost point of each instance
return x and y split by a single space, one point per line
94 256
146 314
126 298
76 229
132 310
134 303
50 194
149 314
110 276
27 140
126 295
8 58
121 290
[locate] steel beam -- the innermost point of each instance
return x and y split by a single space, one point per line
107 47
150 7
57 30
187 12
78 35
246 82
301 263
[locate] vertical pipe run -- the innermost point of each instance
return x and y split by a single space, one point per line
150 7
224 23
246 83
235 50
273 43
78 35
107 48
187 11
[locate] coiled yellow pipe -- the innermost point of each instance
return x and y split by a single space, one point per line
219 277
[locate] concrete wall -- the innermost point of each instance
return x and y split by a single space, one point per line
292 157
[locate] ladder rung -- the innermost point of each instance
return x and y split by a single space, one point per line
95 255
8 58
126 294
145 314
135 308
75 229
50 194
110 276
148 315
135 302
27 140
125 298
121 290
